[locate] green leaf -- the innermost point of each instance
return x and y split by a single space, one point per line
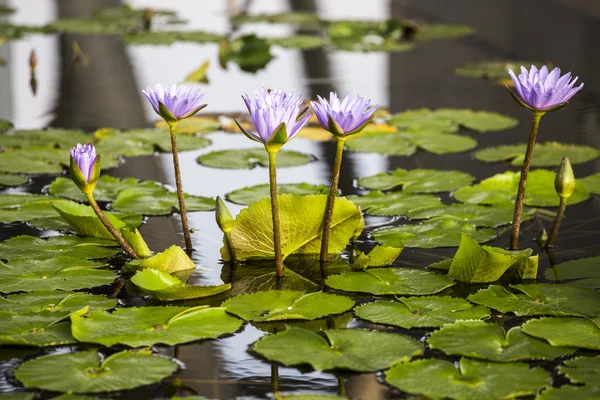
107 188
501 189
565 331
548 154
423 119
250 158
169 37
41 329
540 299
488 341
473 213
420 312
161 286
148 326
88 372
199 74
479 121
442 31
63 138
436 232
252 194
250 52
417 180
301 227
583 272
339 349
303 42
30 210
382 281
582 370
473 380
41 160
139 142
278 305
65 246
12 180
158 201
192 125
591 183
85 222
55 301
17 396
568 392
494 70
61 272
379 256
172 260
393 203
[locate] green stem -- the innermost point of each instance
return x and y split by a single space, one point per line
184 221
335 178
275 211
230 247
516 223
559 216
110 227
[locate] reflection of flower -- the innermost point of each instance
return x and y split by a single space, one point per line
543 91
180 101
344 118
85 158
273 111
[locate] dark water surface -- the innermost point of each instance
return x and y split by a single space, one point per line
108 94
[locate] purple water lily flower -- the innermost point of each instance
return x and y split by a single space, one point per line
541 90
85 157
274 112
180 101
344 118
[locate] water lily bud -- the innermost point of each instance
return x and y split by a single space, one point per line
564 183
85 167
542 237
32 59
223 216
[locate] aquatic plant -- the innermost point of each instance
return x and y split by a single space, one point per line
565 186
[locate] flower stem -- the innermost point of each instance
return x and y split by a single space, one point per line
331 199
516 223
275 211
559 216
184 221
113 231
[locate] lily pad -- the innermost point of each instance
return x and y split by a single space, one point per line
107 188
33 247
158 201
488 341
473 213
56 301
381 281
582 370
250 158
63 138
423 119
301 227
29 210
583 272
171 260
420 312
393 203
501 189
61 272
249 195
338 349
548 154
379 256
279 305
479 121
12 180
147 326
162 286
137 142
591 183
436 232
473 379
417 180
89 372
494 70
565 331
303 42
541 299
41 329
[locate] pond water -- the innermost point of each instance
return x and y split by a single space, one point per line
107 94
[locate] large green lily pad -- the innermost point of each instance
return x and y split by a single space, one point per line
591 183
423 119
21 207
473 213
276 305
400 281
63 138
393 203
417 180
420 312
448 119
583 272
158 201
582 370
192 125
41 329
338 349
474 379
42 160
138 142
88 372
442 31
56 301
565 331
162 286
107 188
249 195
33 247
250 158
568 392
548 154
12 180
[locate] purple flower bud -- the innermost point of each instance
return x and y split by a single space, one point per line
541 90
343 118
181 101
272 108
85 157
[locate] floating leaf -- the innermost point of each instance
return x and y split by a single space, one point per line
41 329
420 312
568 392
343 349
473 213
540 299
494 70
142 37
423 119
393 203
250 52
442 31
12 180
300 18
67 246
278 305
301 227
158 201
199 74
303 42
473 379
436 232
417 180
548 154
148 326
56 301
89 372
582 370
380 281
161 286
252 194
192 125
565 331
583 272
107 188
488 341
591 183
479 121
171 260
49 138
138 142
28 207
501 189
379 256
250 158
